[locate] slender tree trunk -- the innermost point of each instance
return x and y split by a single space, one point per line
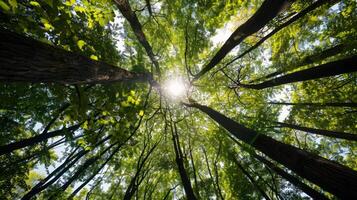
133 20
334 134
94 174
24 59
352 105
267 11
59 171
329 175
298 16
343 66
307 60
180 164
36 139
250 178
292 179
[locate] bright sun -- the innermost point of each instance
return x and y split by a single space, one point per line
175 87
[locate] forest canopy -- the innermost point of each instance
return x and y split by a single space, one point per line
178 99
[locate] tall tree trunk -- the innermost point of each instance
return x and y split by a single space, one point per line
352 105
330 176
94 174
36 139
301 14
266 12
59 171
133 20
310 59
292 179
24 59
180 164
334 134
343 66
250 178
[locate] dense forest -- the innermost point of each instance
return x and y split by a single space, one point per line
178 99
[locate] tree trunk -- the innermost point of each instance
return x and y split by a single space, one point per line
133 20
343 66
292 179
24 59
59 171
301 14
267 11
36 139
181 167
352 105
308 60
334 134
330 176
94 174
250 178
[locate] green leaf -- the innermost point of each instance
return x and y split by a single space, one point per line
80 44
4 6
13 4
94 57
141 113
34 3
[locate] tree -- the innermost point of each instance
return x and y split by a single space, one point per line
95 99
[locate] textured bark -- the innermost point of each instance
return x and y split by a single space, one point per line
24 59
301 14
352 105
36 139
133 20
343 66
329 175
310 59
292 179
267 11
334 134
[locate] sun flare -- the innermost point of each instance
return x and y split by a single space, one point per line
175 87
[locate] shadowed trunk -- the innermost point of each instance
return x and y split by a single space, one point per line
329 175
352 105
180 164
250 178
24 59
58 172
266 12
36 139
307 60
343 66
301 14
334 134
292 179
133 20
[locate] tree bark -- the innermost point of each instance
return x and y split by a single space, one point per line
94 174
310 59
24 59
250 178
267 11
329 175
133 20
292 179
59 171
334 134
36 139
352 105
343 66
181 167
301 14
